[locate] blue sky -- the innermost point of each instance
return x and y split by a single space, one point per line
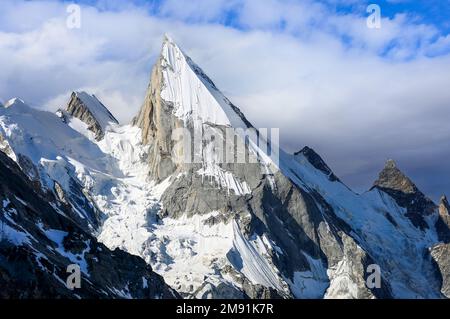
431 12
311 68
434 12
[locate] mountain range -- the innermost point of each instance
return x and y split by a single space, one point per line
158 208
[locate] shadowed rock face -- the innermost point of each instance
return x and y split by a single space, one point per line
444 207
4 146
443 222
266 229
392 178
301 224
91 111
441 254
392 181
407 195
157 123
317 162
38 242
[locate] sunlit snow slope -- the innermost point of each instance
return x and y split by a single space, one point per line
280 226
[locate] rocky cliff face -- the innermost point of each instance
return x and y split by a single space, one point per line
259 223
91 111
393 182
444 210
441 254
157 124
317 162
391 178
38 241
443 222
263 201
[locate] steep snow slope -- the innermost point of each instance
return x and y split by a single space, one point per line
193 95
50 151
112 172
276 225
181 95
381 226
87 113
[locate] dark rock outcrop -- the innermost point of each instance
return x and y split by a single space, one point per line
274 207
317 162
441 254
443 222
38 242
394 182
91 111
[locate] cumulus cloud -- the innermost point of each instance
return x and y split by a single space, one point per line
357 95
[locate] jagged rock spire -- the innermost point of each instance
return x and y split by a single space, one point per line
317 162
180 95
91 111
443 222
394 179
394 182
444 207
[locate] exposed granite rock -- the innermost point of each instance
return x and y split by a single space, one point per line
393 179
395 183
228 291
441 254
317 162
301 224
4 146
444 210
443 222
38 241
74 200
91 111
157 123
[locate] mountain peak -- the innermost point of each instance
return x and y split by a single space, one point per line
180 94
395 183
390 164
444 204
315 160
91 111
190 93
393 178
14 102
443 223
168 39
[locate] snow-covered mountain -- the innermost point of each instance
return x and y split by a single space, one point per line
39 239
89 111
260 223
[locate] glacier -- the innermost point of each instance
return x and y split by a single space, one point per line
270 228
